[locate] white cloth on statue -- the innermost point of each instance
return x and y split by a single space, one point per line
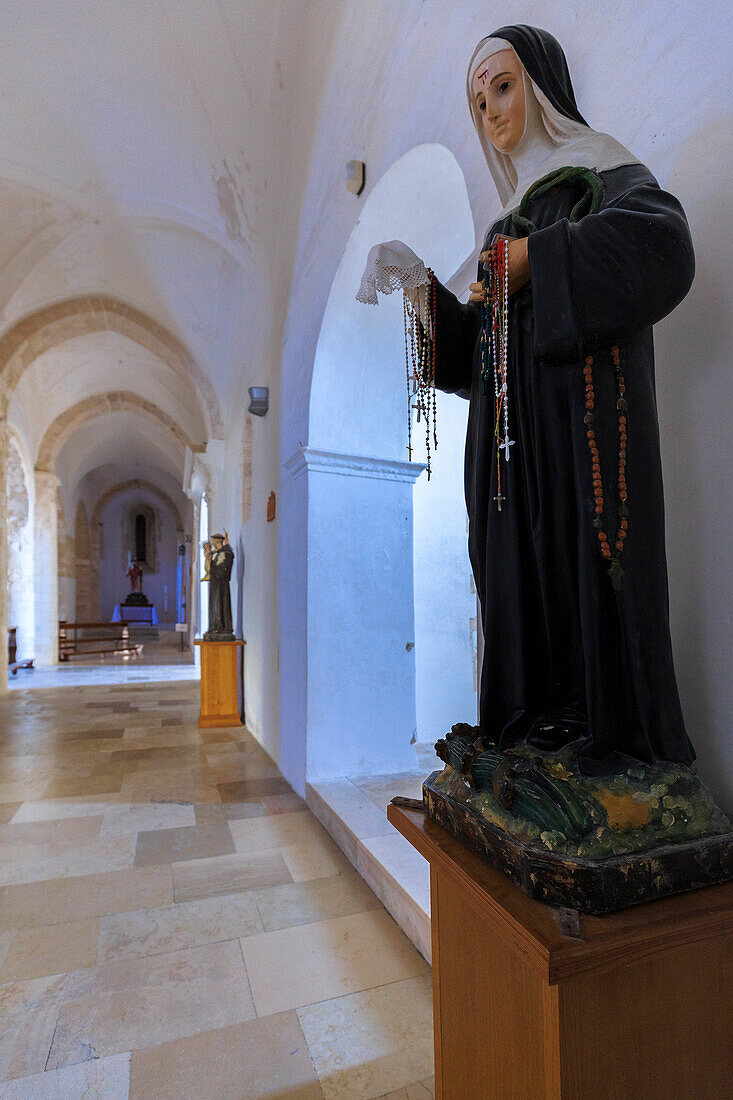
393 266
559 142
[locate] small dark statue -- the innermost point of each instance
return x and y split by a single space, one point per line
219 558
578 781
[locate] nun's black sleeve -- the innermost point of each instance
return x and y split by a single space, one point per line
456 331
599 281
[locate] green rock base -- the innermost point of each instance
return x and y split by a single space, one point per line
645 807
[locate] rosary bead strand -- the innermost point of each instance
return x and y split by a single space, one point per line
615 571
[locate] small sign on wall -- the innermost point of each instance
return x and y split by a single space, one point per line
271 507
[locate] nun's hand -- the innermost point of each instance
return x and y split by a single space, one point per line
519 272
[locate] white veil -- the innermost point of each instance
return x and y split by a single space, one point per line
577 145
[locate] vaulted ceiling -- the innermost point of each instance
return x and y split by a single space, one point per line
152 155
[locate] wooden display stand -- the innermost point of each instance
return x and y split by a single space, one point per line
635 1004
219 683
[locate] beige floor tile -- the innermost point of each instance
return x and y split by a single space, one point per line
124 820
174 927
210 813
136 1003
283 804
329 959
205 878
154 789
32 905
372 1043
307 902
70 788
317 858
178 845
51 949
102 1079
242 789
251 1061
28 1011
23 792
8 810
47 837
418 1091
98 856
278 831
59 809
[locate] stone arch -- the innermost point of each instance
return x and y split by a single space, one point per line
37 333
135 483
98 405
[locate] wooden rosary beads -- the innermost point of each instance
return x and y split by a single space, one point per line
615 571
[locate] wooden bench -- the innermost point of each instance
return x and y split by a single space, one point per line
13 663
76 638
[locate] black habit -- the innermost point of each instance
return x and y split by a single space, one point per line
565 654
220 604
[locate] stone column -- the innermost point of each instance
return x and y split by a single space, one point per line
46 567
4 580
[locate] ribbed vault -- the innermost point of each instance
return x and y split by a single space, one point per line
45 329
91 408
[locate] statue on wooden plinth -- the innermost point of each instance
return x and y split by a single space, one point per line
219 558
580 756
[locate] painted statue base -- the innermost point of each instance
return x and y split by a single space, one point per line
136 599
591 843
210 636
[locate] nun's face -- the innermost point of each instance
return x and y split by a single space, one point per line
498 92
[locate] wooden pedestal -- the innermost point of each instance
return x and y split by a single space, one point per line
220 663
639 1004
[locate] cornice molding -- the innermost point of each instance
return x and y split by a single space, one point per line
330 462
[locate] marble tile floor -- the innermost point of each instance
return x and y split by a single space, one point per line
160 661
353 812
174 922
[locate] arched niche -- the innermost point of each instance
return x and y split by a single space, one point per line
358 399
381 610
140 533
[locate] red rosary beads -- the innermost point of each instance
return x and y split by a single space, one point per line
615 571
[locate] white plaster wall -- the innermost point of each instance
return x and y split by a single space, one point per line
445 600
254 541
114 585
361 660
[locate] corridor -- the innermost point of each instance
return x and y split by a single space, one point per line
175 923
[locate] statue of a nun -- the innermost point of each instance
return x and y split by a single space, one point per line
565 503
